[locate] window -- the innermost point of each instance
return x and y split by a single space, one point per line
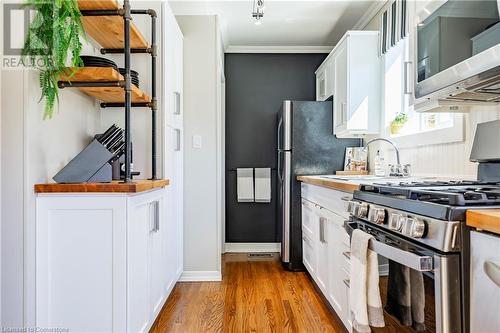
419 128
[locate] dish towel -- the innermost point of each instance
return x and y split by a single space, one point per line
263 185
364 293
406 296
244 184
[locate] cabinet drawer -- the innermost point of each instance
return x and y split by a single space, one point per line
308 255
309 223
333 200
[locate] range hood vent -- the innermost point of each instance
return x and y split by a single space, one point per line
482 89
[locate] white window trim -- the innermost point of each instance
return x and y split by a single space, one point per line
456 133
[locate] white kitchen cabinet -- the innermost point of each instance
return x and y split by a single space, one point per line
326 245
355 74
102 260
325 80
173 139
357 100
173 64
309 225
81 262
485 282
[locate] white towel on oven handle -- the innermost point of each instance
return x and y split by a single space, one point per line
364 293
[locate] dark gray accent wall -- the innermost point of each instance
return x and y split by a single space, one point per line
256 85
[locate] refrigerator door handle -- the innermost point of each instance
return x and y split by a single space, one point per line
286 184
280 126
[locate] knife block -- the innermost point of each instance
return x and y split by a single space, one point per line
90 165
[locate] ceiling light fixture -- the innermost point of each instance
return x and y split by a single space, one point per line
258 11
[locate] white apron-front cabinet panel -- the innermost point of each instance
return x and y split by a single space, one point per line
81 262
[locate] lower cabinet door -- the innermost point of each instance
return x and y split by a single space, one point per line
158 264
81 263
308 255
323 258
140 227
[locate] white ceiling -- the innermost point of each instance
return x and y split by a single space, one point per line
285 23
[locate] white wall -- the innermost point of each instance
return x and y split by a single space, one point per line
447 160
201 183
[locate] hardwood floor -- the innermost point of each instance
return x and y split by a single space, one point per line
256 295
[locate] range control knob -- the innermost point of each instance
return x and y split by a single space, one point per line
362 211
377 215
417 229
396 221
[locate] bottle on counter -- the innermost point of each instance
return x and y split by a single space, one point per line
379 164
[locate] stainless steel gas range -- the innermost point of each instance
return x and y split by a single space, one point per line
420 233
421 226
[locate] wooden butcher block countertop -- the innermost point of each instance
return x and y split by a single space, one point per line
114 187
335 184
485 219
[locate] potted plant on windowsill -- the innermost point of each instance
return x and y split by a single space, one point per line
53 37
398 123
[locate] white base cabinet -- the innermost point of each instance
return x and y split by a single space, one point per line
103 262
326 245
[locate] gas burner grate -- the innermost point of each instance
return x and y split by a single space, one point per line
454 193
461 196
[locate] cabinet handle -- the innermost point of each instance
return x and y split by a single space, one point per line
347 282
157 215
492 270
346 198
177 102
347 254
322 230
152 221
177 139
407 78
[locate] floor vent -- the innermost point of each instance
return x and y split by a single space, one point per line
260 255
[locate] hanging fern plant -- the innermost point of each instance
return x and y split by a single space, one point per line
53 37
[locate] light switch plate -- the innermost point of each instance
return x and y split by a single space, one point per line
197 142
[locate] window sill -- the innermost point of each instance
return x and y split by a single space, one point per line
433 137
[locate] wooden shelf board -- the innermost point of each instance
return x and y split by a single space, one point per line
108 30
104 94
113 187
98 4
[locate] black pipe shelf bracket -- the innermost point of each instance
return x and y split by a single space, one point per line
126 12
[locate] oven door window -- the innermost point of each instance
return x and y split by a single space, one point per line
408 298
455 32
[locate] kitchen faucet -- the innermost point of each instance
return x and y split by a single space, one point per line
396 170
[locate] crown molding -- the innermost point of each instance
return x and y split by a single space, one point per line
370 13
278 49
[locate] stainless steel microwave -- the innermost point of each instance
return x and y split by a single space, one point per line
456 51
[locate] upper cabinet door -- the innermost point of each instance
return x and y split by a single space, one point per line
321 83
173 70
340 97
355 75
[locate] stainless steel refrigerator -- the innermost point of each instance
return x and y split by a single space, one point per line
306 146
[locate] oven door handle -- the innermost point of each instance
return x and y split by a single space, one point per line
406 258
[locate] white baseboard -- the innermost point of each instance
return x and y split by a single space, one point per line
252 247
194 276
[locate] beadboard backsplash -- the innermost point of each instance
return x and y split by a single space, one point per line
446 160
